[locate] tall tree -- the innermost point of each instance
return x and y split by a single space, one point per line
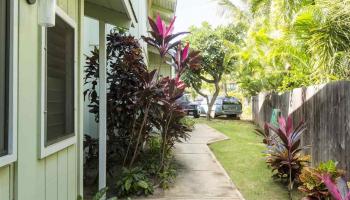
292 44
217 58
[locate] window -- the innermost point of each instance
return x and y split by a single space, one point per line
3 78
8 81
58 85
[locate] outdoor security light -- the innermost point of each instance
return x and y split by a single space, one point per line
47 13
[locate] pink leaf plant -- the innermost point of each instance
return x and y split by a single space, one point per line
333 188
162 35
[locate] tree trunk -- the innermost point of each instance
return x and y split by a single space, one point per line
224 85
213 99
208 113
203 95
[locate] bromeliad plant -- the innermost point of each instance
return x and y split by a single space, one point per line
284 156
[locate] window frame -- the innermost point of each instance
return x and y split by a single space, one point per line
12 56
70 140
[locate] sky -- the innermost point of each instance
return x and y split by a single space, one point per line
194 12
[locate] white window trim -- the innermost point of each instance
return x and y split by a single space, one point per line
13 91
51 149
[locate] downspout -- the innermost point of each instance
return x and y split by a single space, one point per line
102 108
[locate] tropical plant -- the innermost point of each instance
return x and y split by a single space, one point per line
268 138
150 163
130 89
168 114
312 184
162 35
140 104
133 181
284 157
324 28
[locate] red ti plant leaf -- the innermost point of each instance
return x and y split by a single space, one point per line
284 154
289 126
282 124
194 60
267 137
170 28
332 187
160 25
185 52
173 88
162 35
185 59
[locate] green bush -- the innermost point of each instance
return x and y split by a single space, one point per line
147 173
99 195
167 176
150 162
134 181
189 122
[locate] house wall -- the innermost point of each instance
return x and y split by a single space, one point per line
139 29
57 176
154 62
90 41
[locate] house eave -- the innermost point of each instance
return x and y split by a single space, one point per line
121 16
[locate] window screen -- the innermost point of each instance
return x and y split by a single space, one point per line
59 82
3 76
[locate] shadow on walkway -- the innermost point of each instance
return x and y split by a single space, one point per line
201 176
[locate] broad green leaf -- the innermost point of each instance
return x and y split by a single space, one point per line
127 184
143 184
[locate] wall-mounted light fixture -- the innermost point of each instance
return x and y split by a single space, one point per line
31 1
47 13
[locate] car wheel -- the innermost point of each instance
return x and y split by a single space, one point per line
196 115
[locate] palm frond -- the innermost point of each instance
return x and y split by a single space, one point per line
325 29
256 5
228 8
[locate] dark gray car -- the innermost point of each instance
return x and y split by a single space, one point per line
191 108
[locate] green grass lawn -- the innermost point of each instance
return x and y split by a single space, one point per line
242 158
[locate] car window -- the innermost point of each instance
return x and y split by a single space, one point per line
218 101
230 100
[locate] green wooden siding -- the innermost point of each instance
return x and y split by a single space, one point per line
56 176
154 62
5 182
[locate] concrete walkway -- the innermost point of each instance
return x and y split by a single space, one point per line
201 176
